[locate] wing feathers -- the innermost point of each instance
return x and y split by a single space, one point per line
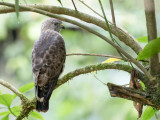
48 57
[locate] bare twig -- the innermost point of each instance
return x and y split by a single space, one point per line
74 5
12 88
152 33
105 18
109 29
89 54
99 79
91 9
112 12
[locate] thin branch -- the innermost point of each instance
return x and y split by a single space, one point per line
152 33
130 94
74 5
106 20
86 28
101 66
27 107
12 88
91 9
99 79
112 12
89 54
109 30
117 31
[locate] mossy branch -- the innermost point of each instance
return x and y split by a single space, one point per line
29 105
101 66
119 32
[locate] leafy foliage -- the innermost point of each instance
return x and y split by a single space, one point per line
4 113
35 114
16 110
150 49
6 117
7 99
148 113
143 39
26 88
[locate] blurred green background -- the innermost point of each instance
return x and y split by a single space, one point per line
84 97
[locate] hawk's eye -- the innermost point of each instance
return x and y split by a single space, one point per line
55 24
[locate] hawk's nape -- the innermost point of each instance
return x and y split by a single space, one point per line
48 57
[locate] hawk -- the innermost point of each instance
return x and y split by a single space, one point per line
48 58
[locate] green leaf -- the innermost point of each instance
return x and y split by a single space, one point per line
150 49
6 117
17 7
143 39
60 2
26 88
143 85
4 113
16 110
148 113
6 99
37 115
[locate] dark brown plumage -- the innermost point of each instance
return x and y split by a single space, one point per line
48 57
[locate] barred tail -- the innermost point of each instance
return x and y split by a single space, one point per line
43 96
42 105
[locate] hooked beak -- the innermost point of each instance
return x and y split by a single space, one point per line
62 27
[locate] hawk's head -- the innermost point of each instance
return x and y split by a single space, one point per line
52 24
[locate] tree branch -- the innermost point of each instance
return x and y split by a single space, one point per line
12 88
28 105
86 28
89 54
112 12
117 31
91 9
74 5
101 66
152 33
130 94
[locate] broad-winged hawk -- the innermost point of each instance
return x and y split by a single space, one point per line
48 57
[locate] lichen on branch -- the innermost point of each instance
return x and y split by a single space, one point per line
101 66
29 105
